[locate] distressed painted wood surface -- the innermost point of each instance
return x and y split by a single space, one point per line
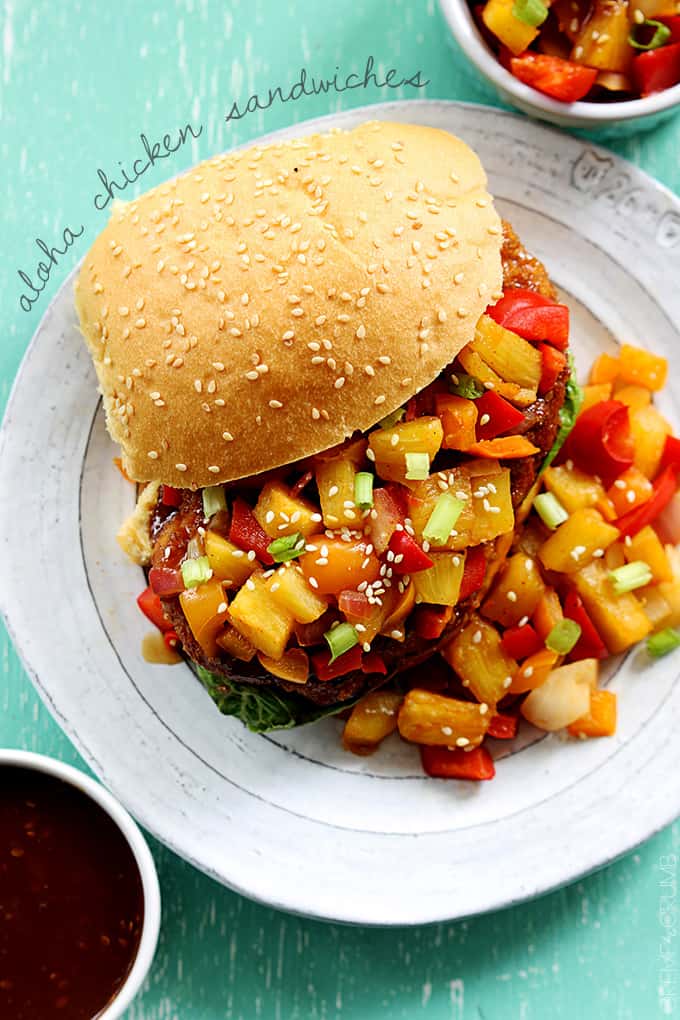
78 84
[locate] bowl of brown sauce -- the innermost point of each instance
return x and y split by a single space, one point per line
79 897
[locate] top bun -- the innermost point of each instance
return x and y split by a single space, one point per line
269 302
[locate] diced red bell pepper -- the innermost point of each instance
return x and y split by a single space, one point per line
166 581
657 70
431 621
553 76
671 450
152 607
600 442
373 662
443 763
521 642
171 640
503 727
671 21
533 316
665 487
413 557
514 299
346 663
502 416
553 364
246 533
590 645
170 496
473 574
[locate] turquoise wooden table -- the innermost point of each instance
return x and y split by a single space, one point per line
79 83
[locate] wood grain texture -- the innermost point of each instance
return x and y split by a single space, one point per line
78 83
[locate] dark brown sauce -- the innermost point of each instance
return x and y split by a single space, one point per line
71 901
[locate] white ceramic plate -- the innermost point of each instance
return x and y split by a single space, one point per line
290 819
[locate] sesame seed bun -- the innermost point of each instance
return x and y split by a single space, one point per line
270 302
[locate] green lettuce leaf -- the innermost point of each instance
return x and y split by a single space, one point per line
260 708
573 399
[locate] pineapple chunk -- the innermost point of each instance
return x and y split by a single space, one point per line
657 609
279 513
648 429
573 488
432 719
646 546
670 590
372 719
516 593
289 589
260 618
335 482
603 39
514 359
493 513
476 366
440 584
575 541
228 563
390 446
619 619
478 658
424 496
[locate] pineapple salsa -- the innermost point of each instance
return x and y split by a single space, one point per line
448 529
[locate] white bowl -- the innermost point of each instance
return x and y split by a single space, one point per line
607 119
140 851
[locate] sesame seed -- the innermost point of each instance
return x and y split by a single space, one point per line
512 596
313 581
213 468
275 404
485 419
462 742
152 454
477 637
483 708
252 375
379 399
181 467
339 382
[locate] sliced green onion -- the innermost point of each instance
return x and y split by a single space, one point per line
563 636
196 571
417 466
662 643
661 35
633 575
443 518
288 547
550 510
340 639
464 385
363 490
531 12
392 419
214 500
